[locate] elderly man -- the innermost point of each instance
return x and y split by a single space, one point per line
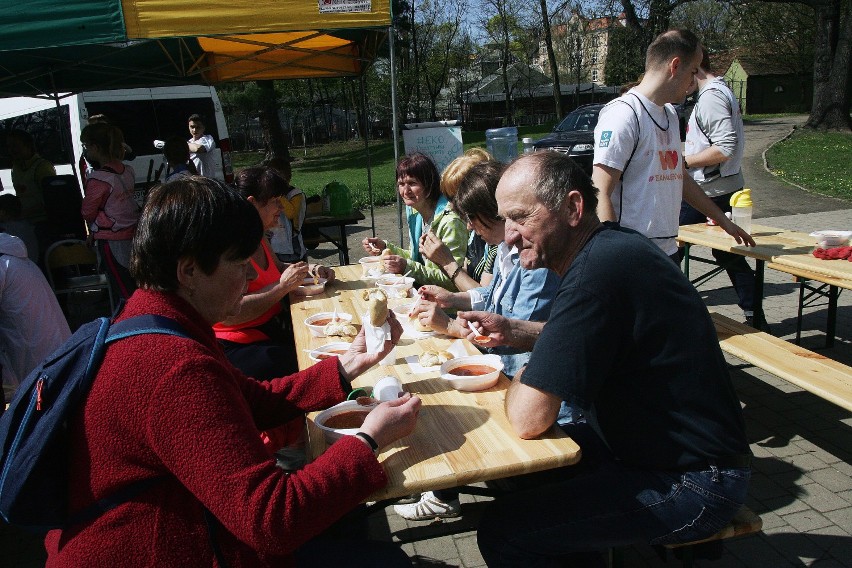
637 165
665 459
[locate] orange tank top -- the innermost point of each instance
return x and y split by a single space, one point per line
247 332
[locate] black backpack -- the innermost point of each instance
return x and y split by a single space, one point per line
34 430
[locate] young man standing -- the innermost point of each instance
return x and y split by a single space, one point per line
715 140
201 146
637 164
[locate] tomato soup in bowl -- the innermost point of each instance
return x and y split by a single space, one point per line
344 419
472 373
317 322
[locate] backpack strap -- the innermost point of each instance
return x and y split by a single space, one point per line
137 325
630 158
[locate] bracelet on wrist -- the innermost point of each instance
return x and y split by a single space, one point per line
456 273
370 441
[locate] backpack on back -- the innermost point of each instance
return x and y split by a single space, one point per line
34 439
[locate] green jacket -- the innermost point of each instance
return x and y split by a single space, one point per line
451 230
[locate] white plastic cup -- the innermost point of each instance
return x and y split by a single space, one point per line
742 216
387 388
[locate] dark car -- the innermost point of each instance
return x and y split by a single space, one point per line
574 136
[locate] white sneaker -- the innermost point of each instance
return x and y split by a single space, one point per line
429 507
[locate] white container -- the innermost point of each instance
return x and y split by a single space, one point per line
831 239
310 288
395 286
476 382
387 388
332 434
329 350
502 143
528 145
742 216
318 330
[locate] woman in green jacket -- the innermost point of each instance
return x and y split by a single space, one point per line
418 183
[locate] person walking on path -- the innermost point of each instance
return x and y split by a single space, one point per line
637 164
715 142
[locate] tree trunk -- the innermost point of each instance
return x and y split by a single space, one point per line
830 108
551 58
273 134
504 67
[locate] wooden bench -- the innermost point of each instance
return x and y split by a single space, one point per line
744 523
815 373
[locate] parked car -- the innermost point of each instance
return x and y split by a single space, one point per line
574 135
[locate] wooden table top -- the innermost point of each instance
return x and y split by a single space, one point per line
785 250
460 438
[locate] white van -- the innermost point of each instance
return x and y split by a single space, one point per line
144 115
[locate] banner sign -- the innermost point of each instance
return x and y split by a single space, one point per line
442 144
326 6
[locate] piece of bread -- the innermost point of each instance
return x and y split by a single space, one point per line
432 358
418 325
377 307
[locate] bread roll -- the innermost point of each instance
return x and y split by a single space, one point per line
377 307
434 358
418 325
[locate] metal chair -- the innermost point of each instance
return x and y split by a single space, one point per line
72 267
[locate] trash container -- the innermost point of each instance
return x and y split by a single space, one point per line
502 143
337 199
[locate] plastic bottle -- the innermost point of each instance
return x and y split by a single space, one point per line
741 205
502 143
528 146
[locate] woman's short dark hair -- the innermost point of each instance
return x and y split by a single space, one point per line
191 217
261 182
475 198
422 168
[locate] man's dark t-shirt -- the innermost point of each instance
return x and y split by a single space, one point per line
629 335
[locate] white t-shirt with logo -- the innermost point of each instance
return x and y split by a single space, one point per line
647 199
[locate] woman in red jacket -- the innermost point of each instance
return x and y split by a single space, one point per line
175 409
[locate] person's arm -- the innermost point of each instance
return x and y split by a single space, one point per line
255 304
435 250
605 179
520 334
695 196
444 298
530 411
713 112
96 194
452 231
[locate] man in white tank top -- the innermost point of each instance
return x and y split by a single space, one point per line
715 140
637 166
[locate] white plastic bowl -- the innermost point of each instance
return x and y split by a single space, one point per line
831 239
395 286
319 330
334 434
472 383
371 267
328 350
309 288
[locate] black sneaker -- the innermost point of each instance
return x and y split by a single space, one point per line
749 321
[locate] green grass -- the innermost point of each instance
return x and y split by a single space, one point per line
817 161
346 162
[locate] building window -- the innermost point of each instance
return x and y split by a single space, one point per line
594 75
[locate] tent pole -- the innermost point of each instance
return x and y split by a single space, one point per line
366 134
395 125
62 126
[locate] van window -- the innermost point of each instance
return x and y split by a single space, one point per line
51 142
144 120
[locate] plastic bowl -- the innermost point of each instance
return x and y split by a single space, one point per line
317 329
309 288
328 350
832 239
333 434
395 286
475 382
371 267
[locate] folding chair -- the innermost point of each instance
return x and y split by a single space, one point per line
72 267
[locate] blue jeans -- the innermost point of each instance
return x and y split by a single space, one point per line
740 273
600 503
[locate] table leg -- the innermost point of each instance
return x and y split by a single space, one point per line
686 248
344 248
759 316
831 323
802 282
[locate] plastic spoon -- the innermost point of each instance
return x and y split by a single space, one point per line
479 338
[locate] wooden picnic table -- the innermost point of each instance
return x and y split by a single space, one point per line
782 250
460 438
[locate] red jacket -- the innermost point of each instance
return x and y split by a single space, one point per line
175 407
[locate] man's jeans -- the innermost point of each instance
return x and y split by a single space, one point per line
740 273
600 503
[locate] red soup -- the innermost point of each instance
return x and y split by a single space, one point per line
471 370
349 419
323 321
327 354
